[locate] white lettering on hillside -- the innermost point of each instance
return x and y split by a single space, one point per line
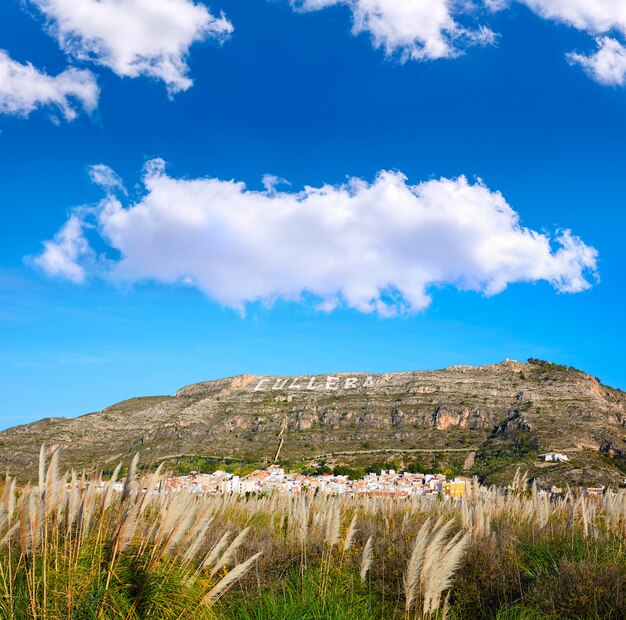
259 387
328 383
331 383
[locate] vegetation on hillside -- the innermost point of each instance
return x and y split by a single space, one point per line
478 420
72 548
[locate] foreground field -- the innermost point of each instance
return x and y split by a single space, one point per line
76 549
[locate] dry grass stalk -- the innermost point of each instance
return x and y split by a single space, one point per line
129 483
216 551
108 489
333 526
414 566
229 554
51 489
350 534
439 577
42 466
366 558
229 579
9 534
127 529
434 549
200 531
24 522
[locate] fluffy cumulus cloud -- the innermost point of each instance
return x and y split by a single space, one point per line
417 29
375 247
64 255
134 37
600 18
23 89
430 29
595 16
607 65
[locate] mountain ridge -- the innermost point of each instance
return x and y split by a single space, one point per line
505 413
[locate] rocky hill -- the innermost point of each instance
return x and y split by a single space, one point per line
483 419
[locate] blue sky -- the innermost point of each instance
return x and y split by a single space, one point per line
237 278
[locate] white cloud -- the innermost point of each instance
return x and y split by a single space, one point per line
271 182
106 178
430 29
417 29
497 5
23 89
134 37
594 16
375 247
607 65
63 255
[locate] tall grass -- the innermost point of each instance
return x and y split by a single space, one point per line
74 548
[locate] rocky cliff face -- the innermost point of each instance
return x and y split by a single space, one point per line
504 412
